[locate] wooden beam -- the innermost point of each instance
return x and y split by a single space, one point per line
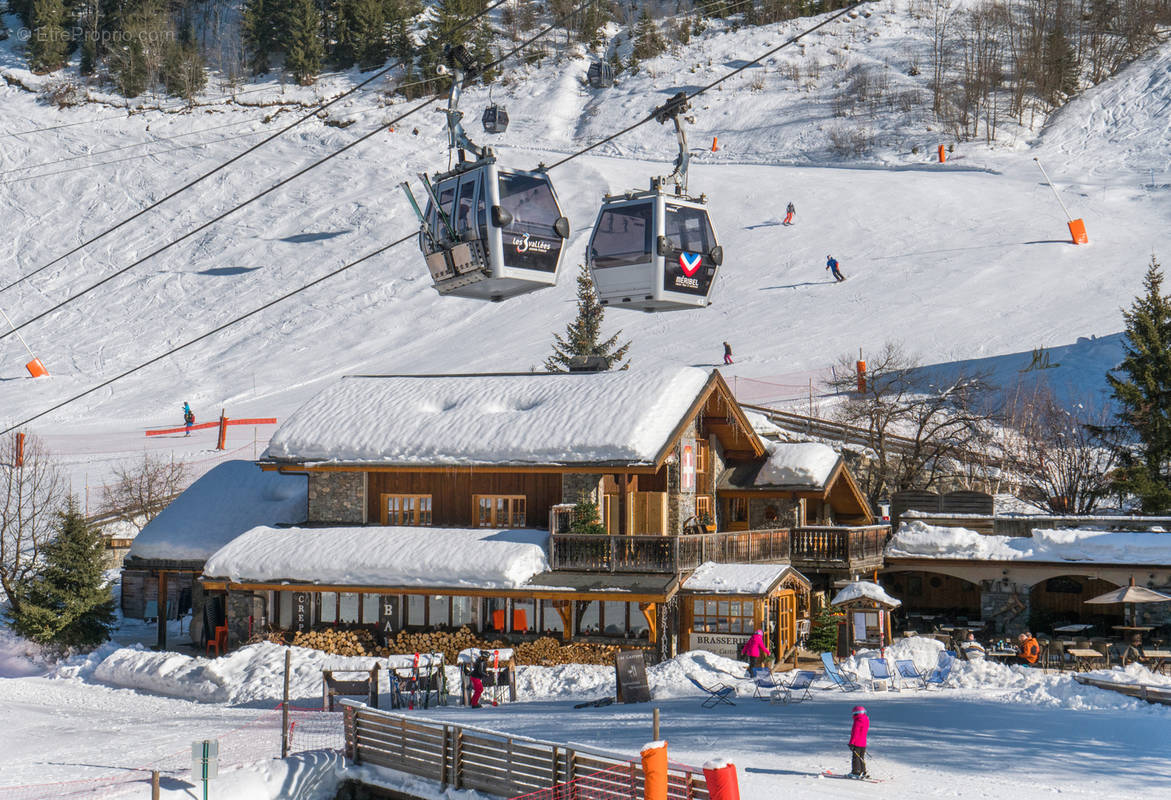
634 469
652 621
565 611
515 594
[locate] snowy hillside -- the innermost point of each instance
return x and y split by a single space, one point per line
963 262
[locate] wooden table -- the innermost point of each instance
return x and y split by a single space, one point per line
1083 658
1001 654
1161 659
1078 628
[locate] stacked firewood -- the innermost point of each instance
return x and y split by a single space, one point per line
342 643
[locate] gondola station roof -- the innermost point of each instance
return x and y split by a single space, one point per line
624 418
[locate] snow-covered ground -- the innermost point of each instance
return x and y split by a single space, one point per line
93 718
967 263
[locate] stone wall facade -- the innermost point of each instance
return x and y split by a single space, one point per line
337 498
245 613
772 512
575 484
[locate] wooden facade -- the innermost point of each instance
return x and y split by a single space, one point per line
453 493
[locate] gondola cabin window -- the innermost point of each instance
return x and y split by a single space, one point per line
688 229
623 236
500 511
710 615
406 509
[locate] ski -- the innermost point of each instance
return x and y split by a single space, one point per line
495 677
414 683
829 774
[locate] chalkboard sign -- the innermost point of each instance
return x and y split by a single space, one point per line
302 604
388 622
630 669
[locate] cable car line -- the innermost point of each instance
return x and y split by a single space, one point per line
327 276
311 114
275 186
212 332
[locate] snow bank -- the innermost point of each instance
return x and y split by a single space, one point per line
227 501
859 590
734 578
19 658
920 540
624 416
479 558
797 464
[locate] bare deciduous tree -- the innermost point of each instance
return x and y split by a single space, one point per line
915 428
143 489
31 494
1058 452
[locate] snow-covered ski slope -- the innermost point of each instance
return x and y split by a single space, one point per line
967 262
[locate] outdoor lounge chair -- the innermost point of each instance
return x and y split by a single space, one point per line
880 671
797 689
845 681
715 695
767 687
941 674
907 671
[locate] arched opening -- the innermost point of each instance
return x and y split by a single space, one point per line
933 596
1060 600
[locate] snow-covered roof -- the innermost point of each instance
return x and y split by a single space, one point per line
864 590
756 579
608 417
920 540
226 501
797 464
790 465
477 558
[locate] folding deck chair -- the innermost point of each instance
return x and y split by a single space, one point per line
800 682
941 675
767 687
719 694
907 671
846 681
880 671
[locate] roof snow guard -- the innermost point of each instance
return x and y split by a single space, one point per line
606 418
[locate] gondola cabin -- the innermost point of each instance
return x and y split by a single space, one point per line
496 233
654 251
495 119
600 75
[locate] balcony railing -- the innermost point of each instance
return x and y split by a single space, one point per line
668 554
830 547
808 547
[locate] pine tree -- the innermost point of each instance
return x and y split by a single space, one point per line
68 602
48 43
361 34
823 634
304 49
648 41
1141 386
585 517
583 335
261 27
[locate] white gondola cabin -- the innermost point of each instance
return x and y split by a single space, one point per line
654 251
501 232
487 233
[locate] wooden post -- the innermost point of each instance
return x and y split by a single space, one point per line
457 759
326 704
20 449
154 784
285 707
220 445
655 725
162 619
443 757
622 527
374 686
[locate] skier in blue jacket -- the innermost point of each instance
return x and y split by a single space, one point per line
188 418
832 265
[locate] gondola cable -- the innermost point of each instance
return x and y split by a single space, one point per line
311 114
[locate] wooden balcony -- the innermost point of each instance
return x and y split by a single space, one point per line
669 554
852 549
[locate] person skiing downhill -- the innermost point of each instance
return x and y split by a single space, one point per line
188 418
858 743
831 264
727 353
789 212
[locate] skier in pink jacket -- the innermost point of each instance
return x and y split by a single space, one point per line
858 743
755 649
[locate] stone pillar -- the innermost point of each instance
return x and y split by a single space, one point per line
241 606
337 498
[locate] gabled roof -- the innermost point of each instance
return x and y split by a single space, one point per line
626 418
790 466
228 500
741 579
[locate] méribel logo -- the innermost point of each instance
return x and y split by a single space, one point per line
690 262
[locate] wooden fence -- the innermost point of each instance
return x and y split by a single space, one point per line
858 547
500 764
1152 694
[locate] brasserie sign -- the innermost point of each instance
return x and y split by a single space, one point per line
722 644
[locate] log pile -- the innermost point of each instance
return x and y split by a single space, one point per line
342 643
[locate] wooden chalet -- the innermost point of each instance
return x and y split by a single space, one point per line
460 462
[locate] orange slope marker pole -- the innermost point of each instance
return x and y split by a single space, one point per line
35 367
1077 227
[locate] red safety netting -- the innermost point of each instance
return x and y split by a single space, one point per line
616 783
256 740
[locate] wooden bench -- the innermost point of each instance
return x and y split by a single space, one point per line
1084 658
